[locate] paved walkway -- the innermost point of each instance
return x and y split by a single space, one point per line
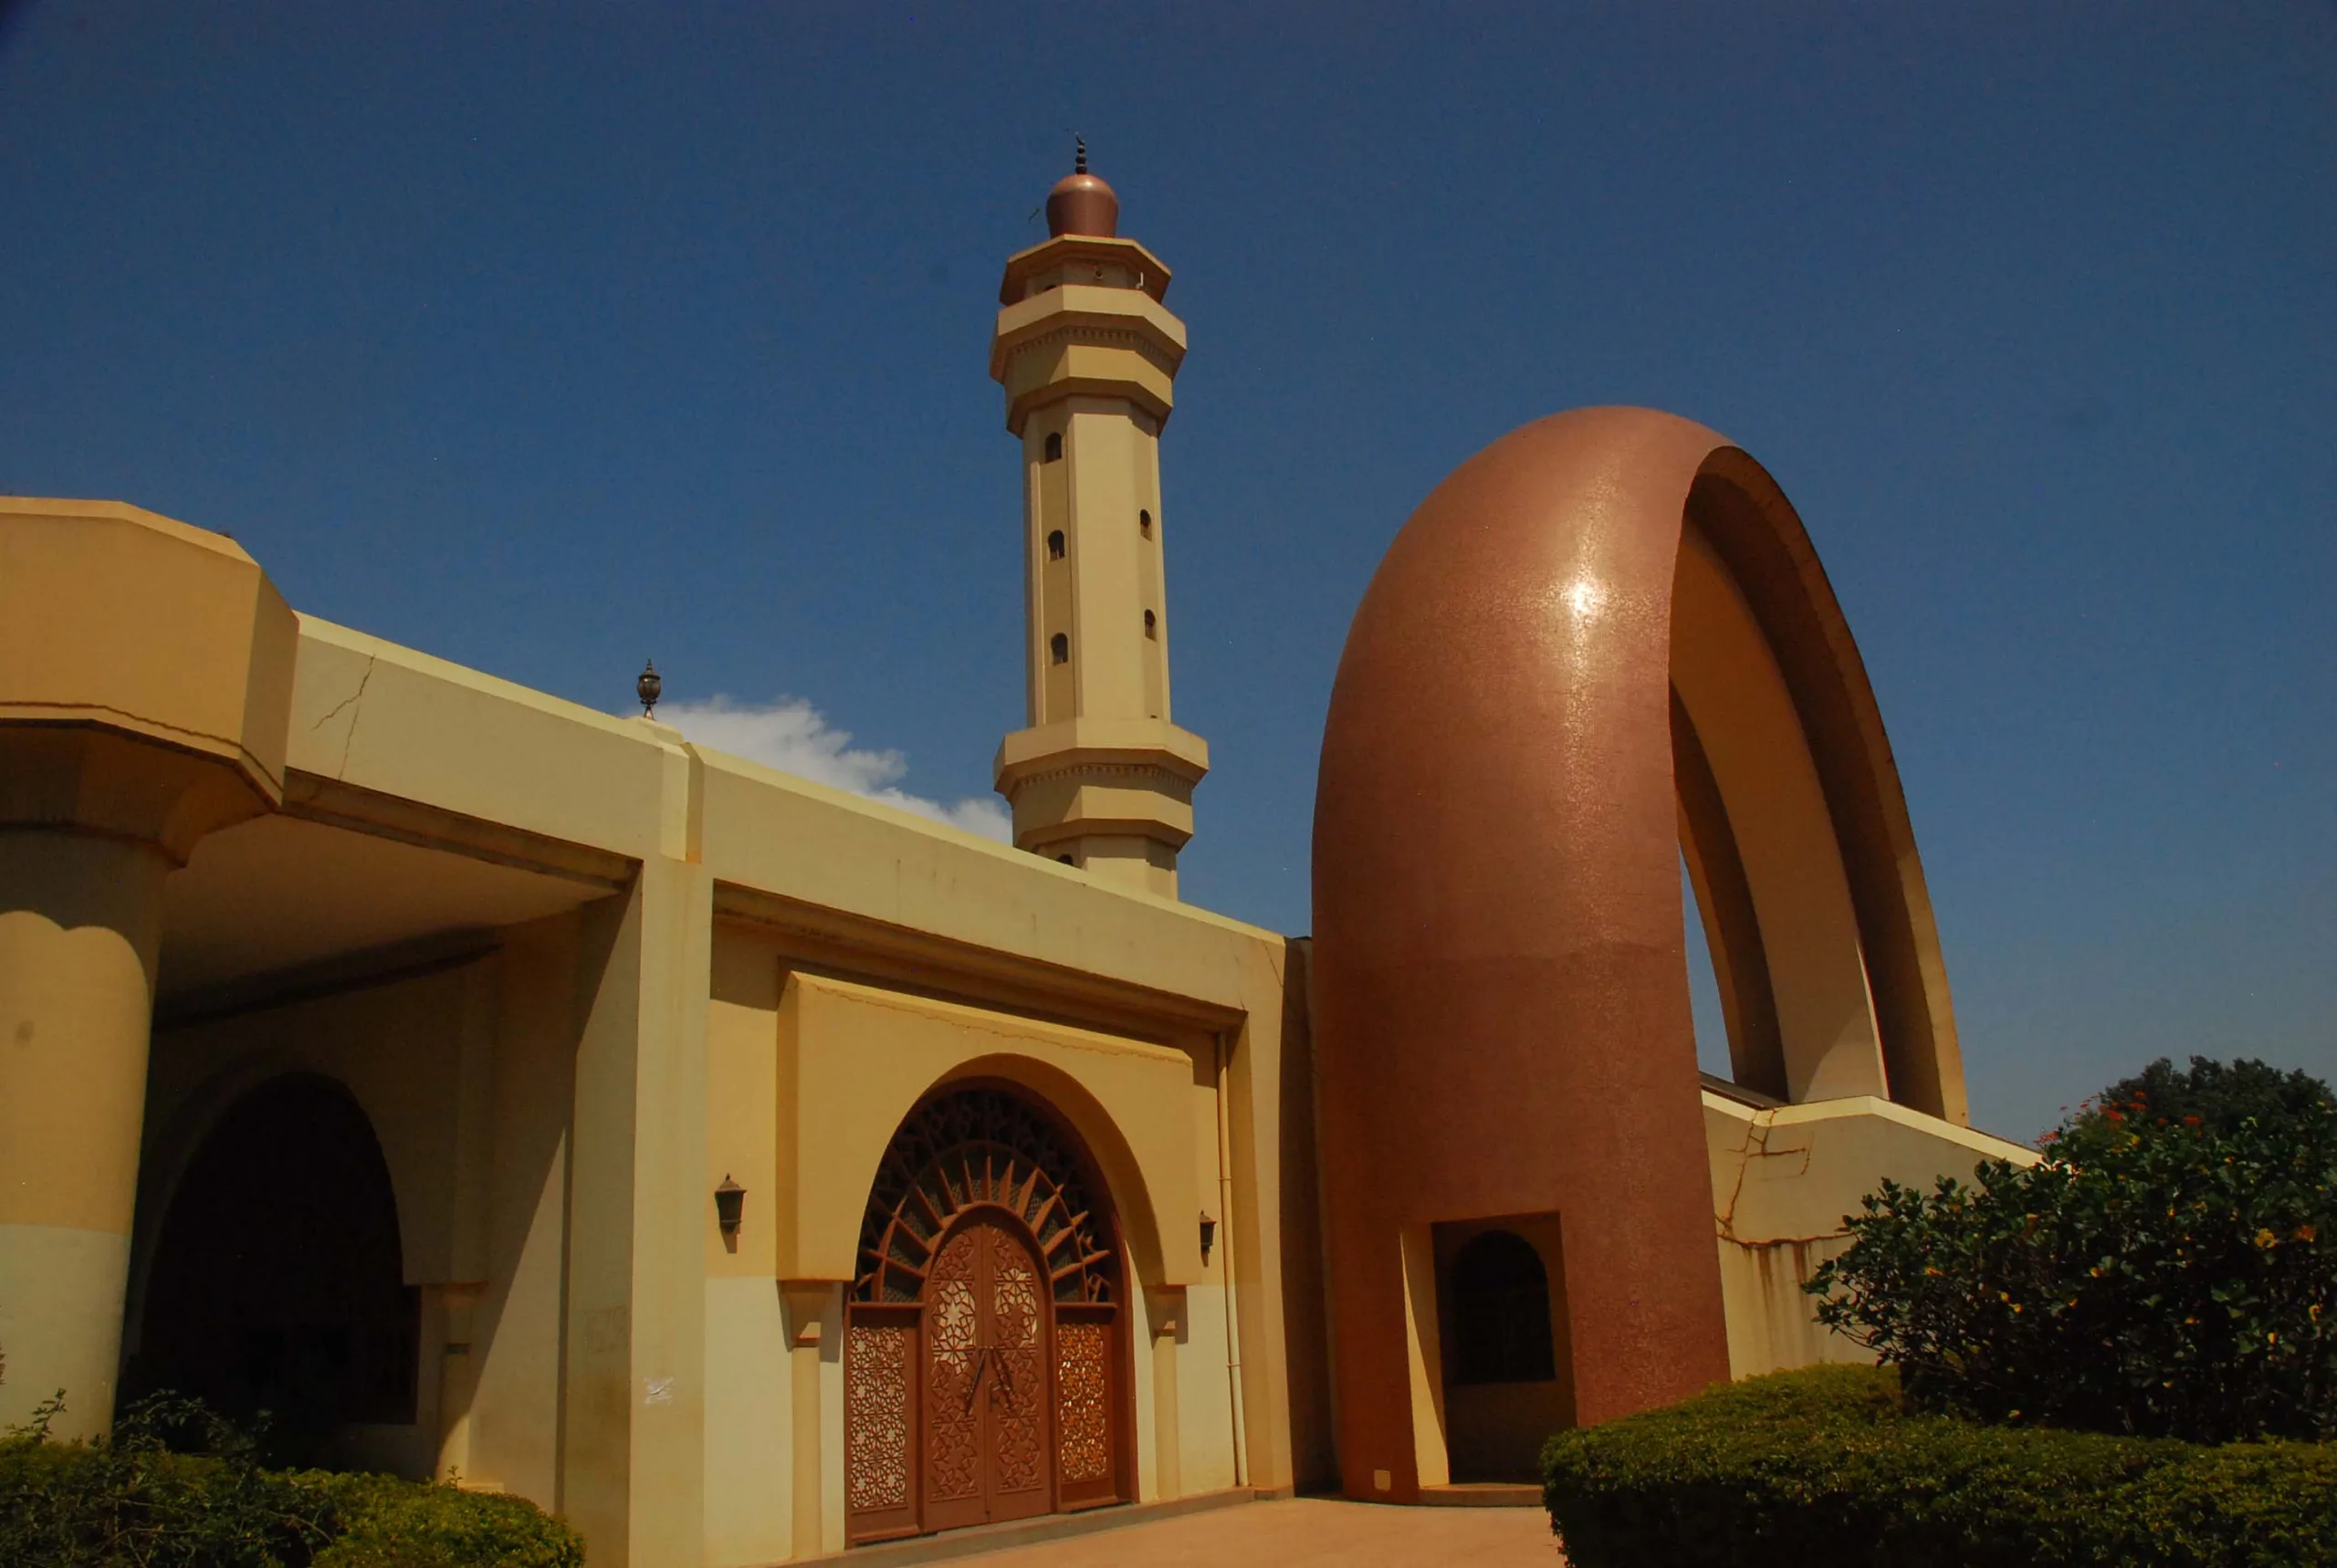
1306 1532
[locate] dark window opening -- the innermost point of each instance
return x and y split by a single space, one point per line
1054 545
1151 626
1501 1312
1054 446
1059 648
1144 524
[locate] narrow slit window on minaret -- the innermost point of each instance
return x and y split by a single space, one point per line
1054 446
1054 545
1144 524
1151 626
1059 648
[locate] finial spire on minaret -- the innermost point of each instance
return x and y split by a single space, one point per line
1080 202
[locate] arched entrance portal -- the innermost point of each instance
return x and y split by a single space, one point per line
279 1283
986 1363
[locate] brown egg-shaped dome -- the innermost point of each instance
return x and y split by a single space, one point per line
1500 987
1081 203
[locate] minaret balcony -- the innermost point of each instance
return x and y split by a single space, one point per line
1087 776
1085 340
1083 258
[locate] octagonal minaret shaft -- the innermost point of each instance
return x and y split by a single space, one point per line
1087 354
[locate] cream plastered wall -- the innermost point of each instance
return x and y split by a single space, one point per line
682 1372
588 1213
810 1079
1114 461
750 1512
391 740
861 889
852 1060
1784 1178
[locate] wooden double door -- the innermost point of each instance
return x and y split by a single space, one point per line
987 1400
989 1362
986 1367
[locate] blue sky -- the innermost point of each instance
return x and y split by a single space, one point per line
545 338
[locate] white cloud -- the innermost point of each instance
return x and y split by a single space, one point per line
793 737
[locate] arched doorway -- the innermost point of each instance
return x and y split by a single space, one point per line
278 1282
986 1363
1501 1312
1508 1377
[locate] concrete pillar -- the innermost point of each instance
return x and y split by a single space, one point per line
1165 1309
1424 1356
808 1305
148 692
633 1475
455 1307
80 920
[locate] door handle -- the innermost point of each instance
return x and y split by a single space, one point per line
1005 1373
974 1383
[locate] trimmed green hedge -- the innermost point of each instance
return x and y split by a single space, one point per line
75 1505
393 1523
1823 1467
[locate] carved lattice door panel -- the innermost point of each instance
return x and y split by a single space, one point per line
987 1404
882 1350
1088 1413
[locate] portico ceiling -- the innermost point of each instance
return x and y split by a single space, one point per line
279 893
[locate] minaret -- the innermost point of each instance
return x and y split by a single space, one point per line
1086 352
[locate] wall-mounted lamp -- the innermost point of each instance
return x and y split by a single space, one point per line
1208 1234
729 1199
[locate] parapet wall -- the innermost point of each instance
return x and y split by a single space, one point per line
1784 1179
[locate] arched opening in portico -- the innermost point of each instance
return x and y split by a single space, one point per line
278 1283
987 1368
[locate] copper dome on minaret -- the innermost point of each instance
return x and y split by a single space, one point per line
1082 203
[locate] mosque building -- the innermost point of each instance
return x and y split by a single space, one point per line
498 1090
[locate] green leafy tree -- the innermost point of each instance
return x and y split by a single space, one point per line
2169 1268
2221 1096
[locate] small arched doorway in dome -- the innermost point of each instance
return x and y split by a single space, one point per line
1501 1312
986 1354
1503 1329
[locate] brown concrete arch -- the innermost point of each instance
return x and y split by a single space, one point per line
1501 985
1737 510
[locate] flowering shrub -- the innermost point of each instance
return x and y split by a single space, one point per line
2221 1096
2169 1269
